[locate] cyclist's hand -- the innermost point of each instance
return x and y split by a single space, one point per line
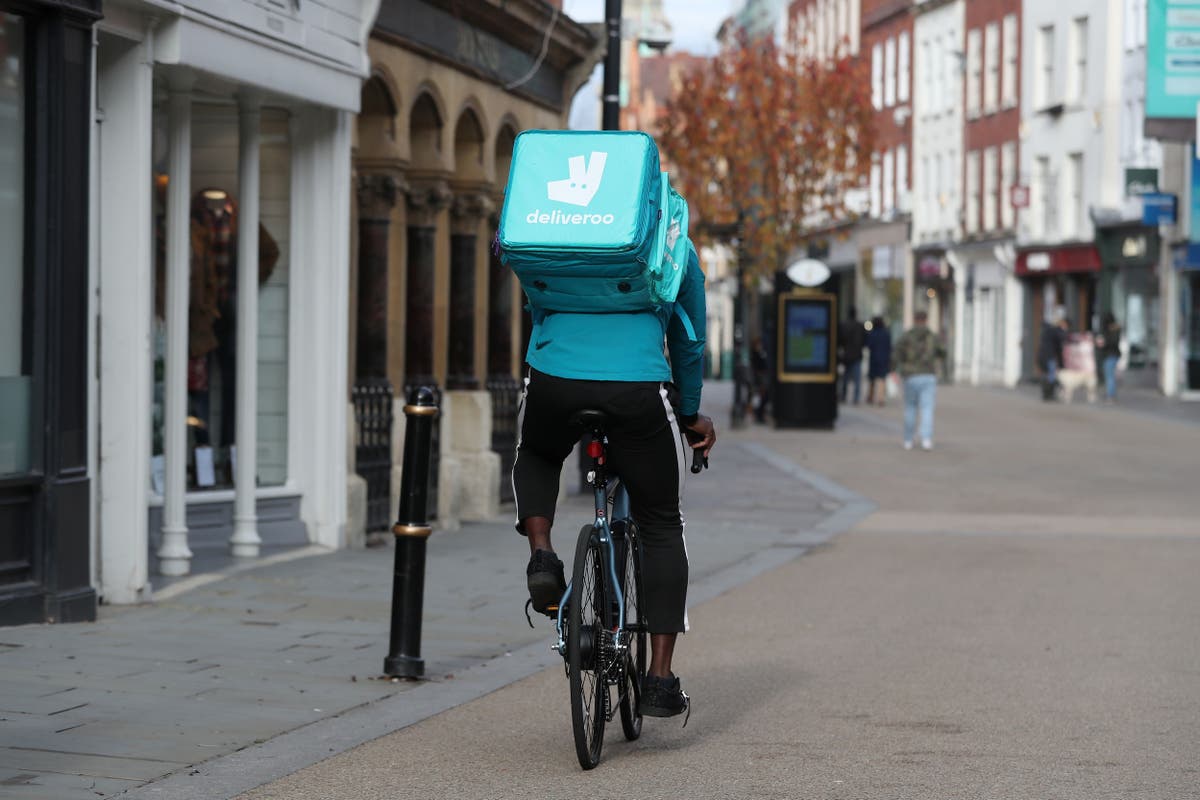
702 434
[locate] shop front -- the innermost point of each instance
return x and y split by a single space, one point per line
222 204
45 452
1129 289
1058 277
988 309
1187 268
879 278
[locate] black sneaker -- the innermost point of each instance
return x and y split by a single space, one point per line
546 581
662 697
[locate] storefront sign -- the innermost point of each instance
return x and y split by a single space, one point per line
929 267
1172 59
1158 208
1140 181
1072 258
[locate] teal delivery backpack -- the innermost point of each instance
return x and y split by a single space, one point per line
590 223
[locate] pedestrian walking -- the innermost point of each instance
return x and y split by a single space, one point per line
879 347
760 369
1108 345
851 339
1050 352
918 353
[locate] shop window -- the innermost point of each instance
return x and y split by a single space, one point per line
16 367
213 294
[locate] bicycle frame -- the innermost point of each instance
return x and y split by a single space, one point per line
600 480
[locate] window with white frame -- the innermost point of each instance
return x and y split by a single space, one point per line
951 208
902 68
939 75
1047 203
889 181
971 223
974 72
1077 84
990 177
926 195
902 178
877 75
889 73
1009 91
1044 91
1135 24
1074 224
1008 179
925 70
991 68
876 188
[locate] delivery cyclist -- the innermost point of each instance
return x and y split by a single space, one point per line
615 363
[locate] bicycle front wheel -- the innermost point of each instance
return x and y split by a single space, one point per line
585 631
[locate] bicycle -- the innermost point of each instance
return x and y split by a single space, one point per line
601 630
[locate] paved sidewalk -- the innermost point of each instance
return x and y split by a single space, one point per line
147 693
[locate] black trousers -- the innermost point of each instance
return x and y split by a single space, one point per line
645 448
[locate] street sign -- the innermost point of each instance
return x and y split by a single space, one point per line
1019 196
1158 208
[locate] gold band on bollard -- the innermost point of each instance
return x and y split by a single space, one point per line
421 411
421 531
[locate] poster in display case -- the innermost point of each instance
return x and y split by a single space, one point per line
807 344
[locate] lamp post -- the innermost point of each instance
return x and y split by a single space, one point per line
611 117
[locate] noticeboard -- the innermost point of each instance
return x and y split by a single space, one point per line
807 337
1172 59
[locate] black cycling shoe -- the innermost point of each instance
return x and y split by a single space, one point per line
663 697
546 582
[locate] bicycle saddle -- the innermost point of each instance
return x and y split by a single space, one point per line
590 419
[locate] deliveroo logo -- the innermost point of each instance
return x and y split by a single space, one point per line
581 187
578 190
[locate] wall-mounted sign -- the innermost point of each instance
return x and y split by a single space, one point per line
1019 196
808 272
1158 208
1139 181
1037 262
1172 59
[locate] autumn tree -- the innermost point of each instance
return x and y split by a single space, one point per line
767 142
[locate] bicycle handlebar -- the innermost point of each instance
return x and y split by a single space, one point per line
699 460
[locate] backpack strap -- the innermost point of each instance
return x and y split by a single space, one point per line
686 320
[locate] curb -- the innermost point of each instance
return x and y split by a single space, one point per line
230 775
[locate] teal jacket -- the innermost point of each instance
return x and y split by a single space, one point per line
629 347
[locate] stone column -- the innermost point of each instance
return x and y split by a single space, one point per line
376 198
245 542
467 212
500 314
174 555
425 199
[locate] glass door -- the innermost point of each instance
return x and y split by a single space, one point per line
17 445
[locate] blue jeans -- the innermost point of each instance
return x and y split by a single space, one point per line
852 374
1110 376
920 393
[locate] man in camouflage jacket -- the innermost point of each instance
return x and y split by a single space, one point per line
916 357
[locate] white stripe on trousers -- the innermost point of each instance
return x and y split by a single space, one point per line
681 457
512 476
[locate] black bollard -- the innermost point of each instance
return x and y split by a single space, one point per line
411 530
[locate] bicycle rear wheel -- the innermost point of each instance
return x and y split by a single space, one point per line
635 661
585 631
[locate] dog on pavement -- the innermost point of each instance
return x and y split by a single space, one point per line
1073 379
